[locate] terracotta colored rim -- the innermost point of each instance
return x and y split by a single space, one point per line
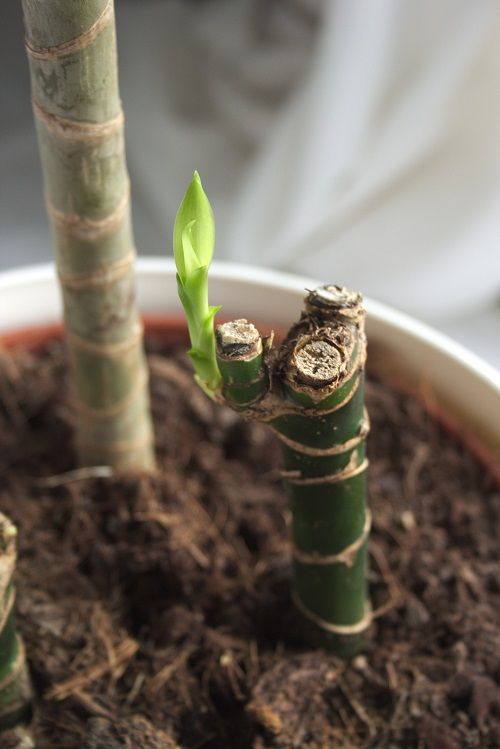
173 328
38 337
452 426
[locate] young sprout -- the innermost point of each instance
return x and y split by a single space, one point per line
194 239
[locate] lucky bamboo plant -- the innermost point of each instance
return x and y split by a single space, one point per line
310 390
71 48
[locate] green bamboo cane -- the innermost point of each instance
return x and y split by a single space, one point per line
71 48
322 372
317 411
311 392
240 358
15 688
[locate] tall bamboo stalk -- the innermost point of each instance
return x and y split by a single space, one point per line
71 48
15 688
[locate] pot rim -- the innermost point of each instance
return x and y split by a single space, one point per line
449 377
269 278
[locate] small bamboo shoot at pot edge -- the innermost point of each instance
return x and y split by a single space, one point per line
72 53
310 391
15 688
194 239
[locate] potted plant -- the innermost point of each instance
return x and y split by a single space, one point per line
148 617
437 371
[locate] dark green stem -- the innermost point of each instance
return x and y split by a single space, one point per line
240 358
15 688
325 465
72 53
317 410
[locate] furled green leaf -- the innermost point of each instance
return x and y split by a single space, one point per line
194 236
194 229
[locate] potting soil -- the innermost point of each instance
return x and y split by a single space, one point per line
156 609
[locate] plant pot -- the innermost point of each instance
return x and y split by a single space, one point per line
402 350
458 387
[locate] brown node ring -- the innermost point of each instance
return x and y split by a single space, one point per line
72 45
332 301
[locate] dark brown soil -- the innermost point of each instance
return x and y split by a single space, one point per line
156 610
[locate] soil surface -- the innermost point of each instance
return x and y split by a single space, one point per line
156 609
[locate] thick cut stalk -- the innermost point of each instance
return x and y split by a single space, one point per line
316 408
327 497
72 53
324 454
15 688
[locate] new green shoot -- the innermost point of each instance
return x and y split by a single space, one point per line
194 240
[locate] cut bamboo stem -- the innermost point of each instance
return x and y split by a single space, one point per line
316 408
240 358
323 365
72 54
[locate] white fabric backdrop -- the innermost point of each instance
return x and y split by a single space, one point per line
352 140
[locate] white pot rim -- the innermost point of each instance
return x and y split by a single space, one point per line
400 346
264 277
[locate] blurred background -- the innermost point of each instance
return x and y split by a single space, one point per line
353 141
